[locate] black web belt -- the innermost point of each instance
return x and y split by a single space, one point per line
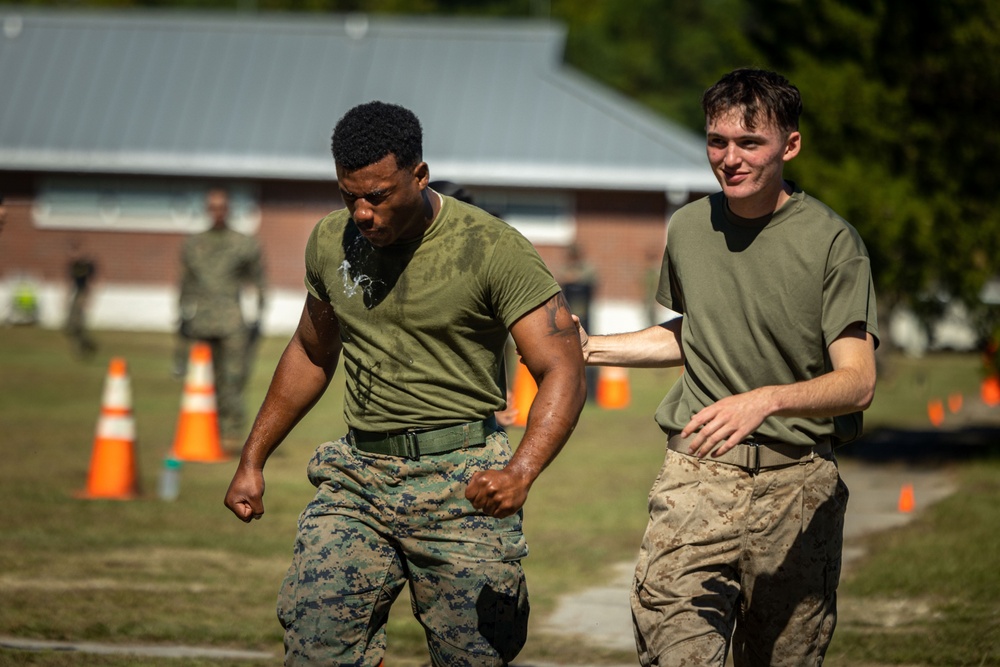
414 444
754 455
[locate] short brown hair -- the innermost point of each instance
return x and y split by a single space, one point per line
761 94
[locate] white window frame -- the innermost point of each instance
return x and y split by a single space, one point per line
544 217
141 205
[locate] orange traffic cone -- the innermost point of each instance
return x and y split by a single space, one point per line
906 502
935 412
525 390
612 388
197 437
112 463
990 391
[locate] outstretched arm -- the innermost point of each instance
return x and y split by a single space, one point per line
550 347
303 374
655 347
849 387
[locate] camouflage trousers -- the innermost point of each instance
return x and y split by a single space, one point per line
732 555
378 523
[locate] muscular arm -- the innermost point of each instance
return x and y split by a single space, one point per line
549 345
849 387
303 374
656 347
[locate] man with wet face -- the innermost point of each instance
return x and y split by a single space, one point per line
775 326
418 292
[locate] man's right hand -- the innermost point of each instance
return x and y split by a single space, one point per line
584 338
245 496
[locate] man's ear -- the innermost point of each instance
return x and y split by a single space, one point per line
423 174
792 146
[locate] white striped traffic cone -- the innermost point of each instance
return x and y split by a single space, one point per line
112 463
197 437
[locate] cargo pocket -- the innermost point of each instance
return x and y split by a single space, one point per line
503 615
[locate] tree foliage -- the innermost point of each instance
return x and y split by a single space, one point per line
900 100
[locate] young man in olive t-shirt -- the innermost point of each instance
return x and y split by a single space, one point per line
776 330
418 293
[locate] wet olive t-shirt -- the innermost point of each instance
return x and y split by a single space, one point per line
762 301
424 323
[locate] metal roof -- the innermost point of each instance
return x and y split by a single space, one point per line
257 95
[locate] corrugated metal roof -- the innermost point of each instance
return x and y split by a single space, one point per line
256 96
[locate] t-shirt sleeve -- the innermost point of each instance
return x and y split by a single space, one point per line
848 288
518 280
314 273
668 291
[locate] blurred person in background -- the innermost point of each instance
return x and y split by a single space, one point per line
81 270
215 266
418 291
776 329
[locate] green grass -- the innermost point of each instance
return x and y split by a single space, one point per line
932 589
187 572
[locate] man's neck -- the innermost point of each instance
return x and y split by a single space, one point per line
764 204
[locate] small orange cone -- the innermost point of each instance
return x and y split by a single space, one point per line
112 463
197 437
525 390
906 502
955 403
990 391
612 388
935 412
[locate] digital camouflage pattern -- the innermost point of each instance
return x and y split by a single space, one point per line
377 521
727 548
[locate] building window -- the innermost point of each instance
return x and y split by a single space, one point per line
545 218
92 204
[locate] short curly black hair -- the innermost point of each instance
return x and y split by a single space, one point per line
370 131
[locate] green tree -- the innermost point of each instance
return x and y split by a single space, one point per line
900 101
661 53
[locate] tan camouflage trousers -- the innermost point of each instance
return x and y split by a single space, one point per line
728 554
378 523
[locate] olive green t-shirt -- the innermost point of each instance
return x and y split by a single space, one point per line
762 301
424 324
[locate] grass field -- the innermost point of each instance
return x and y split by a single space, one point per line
187 572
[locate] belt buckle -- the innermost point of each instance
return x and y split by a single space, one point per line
411 448
754 446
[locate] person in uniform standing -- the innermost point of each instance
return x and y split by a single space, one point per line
82 269
215 266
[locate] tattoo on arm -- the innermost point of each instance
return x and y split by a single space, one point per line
552 308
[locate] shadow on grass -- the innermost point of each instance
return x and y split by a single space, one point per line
884 445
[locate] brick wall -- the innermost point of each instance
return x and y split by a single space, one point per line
620 233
